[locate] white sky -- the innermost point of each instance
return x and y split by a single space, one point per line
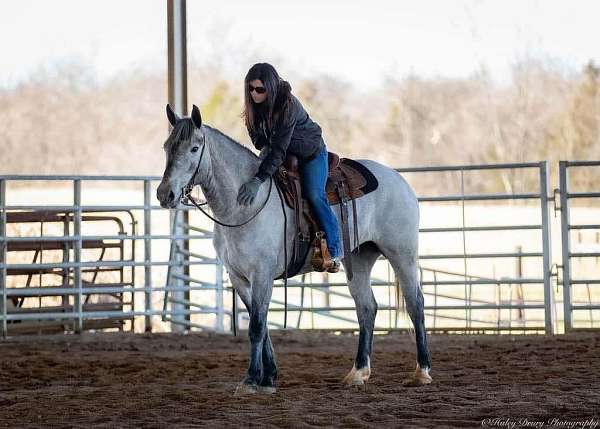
359 41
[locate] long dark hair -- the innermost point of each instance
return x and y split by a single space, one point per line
276 105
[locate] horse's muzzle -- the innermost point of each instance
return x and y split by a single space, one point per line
166 196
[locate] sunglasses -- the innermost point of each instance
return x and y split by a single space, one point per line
258 89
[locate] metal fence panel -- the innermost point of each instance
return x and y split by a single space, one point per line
318 300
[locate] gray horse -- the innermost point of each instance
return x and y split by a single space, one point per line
254 253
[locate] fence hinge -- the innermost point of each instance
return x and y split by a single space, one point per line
554 273
555 201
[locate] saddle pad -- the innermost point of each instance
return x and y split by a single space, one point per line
360 180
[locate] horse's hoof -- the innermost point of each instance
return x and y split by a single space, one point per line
357 377
353 379
245 389
268 390
420 377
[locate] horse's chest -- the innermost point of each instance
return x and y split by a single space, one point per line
227 252
220 248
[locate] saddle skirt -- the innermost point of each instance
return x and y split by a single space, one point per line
347 180
360 181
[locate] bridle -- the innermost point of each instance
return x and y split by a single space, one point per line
186 195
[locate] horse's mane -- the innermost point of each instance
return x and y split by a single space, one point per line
183 130
229 139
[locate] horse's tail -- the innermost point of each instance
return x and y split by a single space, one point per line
400 302
401 307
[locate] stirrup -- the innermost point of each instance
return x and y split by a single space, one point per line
335 266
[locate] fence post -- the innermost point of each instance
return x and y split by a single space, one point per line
219 285
178 309
566 245
147 257
548 294
77 270
3 246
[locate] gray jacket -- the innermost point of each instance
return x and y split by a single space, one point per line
297 133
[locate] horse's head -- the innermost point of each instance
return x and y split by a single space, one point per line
183 150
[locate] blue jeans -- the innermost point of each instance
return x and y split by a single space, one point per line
314 177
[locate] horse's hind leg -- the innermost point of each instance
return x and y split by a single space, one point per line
366 309
406 271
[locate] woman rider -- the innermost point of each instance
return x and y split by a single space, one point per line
277 123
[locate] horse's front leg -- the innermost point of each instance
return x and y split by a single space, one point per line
261 289
268 384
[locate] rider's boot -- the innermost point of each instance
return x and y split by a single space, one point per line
321 258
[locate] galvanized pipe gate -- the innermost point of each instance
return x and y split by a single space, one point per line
571 278
541 195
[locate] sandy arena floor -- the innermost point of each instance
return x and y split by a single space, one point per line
161 380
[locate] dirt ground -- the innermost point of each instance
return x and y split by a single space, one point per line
163 380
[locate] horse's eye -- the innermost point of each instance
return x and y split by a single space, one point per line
195 149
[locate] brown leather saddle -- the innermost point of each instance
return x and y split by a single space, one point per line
347 181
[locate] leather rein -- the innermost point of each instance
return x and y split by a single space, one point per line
186 195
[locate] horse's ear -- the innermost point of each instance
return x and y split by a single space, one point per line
196 118
173 118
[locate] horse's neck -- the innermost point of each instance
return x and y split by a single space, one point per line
226 168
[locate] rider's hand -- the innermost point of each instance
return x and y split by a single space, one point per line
248 192
264 152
